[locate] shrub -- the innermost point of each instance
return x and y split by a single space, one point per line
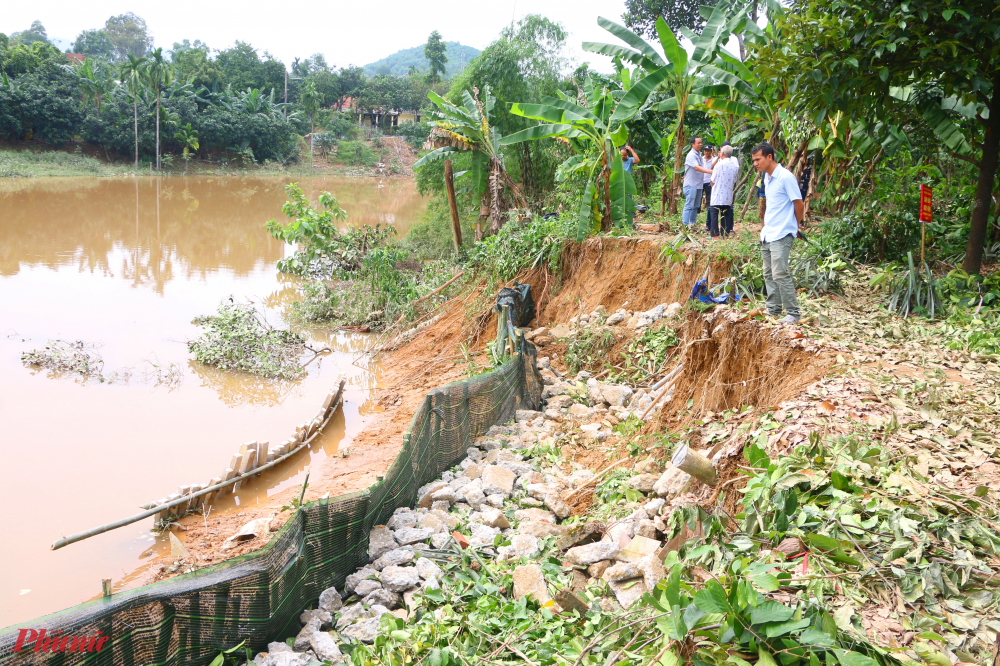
356 153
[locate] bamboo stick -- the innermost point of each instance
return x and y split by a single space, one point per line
80 536
667 384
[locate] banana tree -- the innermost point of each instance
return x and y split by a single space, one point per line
467 127
188 138
94 80
675 69
594 133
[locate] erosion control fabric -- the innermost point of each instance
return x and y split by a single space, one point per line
258 597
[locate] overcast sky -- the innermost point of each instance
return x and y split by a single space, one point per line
345 32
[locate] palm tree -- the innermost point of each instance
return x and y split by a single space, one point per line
159 73
311 101
188 138
132 76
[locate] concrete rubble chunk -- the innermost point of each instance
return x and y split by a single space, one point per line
365 631
290 658
576 409
474 454
378 610
627 592
319 617
325 647
653 507
330 600
645 528
382 596
583 556
652 570
521 545
622 571
381 541
397 557
411 535
672 482
554 502
616 395
400 520
542 529
351 614
279 646
441 540
523 515
497 480
304 637
446 494
597 569
528 581
361 574
493 517
431 522
643 482
570 601
638 548
426 568
616 318
366 587
399 579
526 415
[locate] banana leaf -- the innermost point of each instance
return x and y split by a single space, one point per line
672 48
622 206
537 132
638 93
587 213
434 155
633 40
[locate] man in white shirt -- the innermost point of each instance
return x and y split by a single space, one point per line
694 168
781 226
724 176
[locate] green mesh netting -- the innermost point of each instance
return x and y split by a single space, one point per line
186 620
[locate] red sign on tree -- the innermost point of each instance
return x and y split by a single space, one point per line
925 203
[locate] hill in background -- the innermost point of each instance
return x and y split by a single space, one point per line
398 64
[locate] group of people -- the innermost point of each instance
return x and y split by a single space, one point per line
714 177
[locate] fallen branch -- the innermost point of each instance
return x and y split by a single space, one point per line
666 387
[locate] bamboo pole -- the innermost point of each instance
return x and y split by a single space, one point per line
666 386
696 465
456 226
163 508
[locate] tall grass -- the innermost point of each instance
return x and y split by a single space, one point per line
31 164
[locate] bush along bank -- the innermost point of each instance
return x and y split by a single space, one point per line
567 537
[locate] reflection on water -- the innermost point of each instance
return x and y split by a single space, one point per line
125 265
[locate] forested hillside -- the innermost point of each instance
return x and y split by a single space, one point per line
400 62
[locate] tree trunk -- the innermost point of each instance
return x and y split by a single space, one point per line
135 107
675 182
456 225
606 218
984 187
157 129
527 170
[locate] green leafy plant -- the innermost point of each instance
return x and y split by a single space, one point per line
588 348
646 354
912 291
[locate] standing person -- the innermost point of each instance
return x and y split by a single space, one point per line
781 225
694 167
627 163
724 177
710 160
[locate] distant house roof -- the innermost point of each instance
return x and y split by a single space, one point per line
348 103
76 57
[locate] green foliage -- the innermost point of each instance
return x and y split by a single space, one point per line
44 105
32 164
245 69
194 64
399 63
238 338
912 290
94 43
588 348
516 247
356 153
968 291
128 35
641 15
435 53
414 133
36 33
646 355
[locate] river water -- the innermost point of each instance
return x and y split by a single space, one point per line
123 266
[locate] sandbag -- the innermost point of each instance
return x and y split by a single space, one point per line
518 299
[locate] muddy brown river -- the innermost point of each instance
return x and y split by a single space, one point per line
124 265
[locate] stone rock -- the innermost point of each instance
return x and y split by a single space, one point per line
496 501
594 393
519 468
303 638
325 647
440 540
616 395
431 584
319 617
446 494
521 545
576 409
652 571
279 646
431 522
528 580
398 579
426 568
542 529
583 556
672 482
638 548
351 614
498 480
401 520
570 601
672 310
622 571
473 494
289 658
382 596
459 482
536 490
556 504
560 331
597 569
592 431
450 521
553 414
620 534
482 535
353 579
524 515
627 592
526 415
643 482
645 528
330 600
394 557
531 477
494 518
474 454
411 535
424 494
366 587
616 318
544 362
380 541
653 507
365 631
378 610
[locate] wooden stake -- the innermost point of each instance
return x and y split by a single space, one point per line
923 227
696 465
456 227
106 586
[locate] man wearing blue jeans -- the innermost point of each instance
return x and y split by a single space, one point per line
694 179
783 211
